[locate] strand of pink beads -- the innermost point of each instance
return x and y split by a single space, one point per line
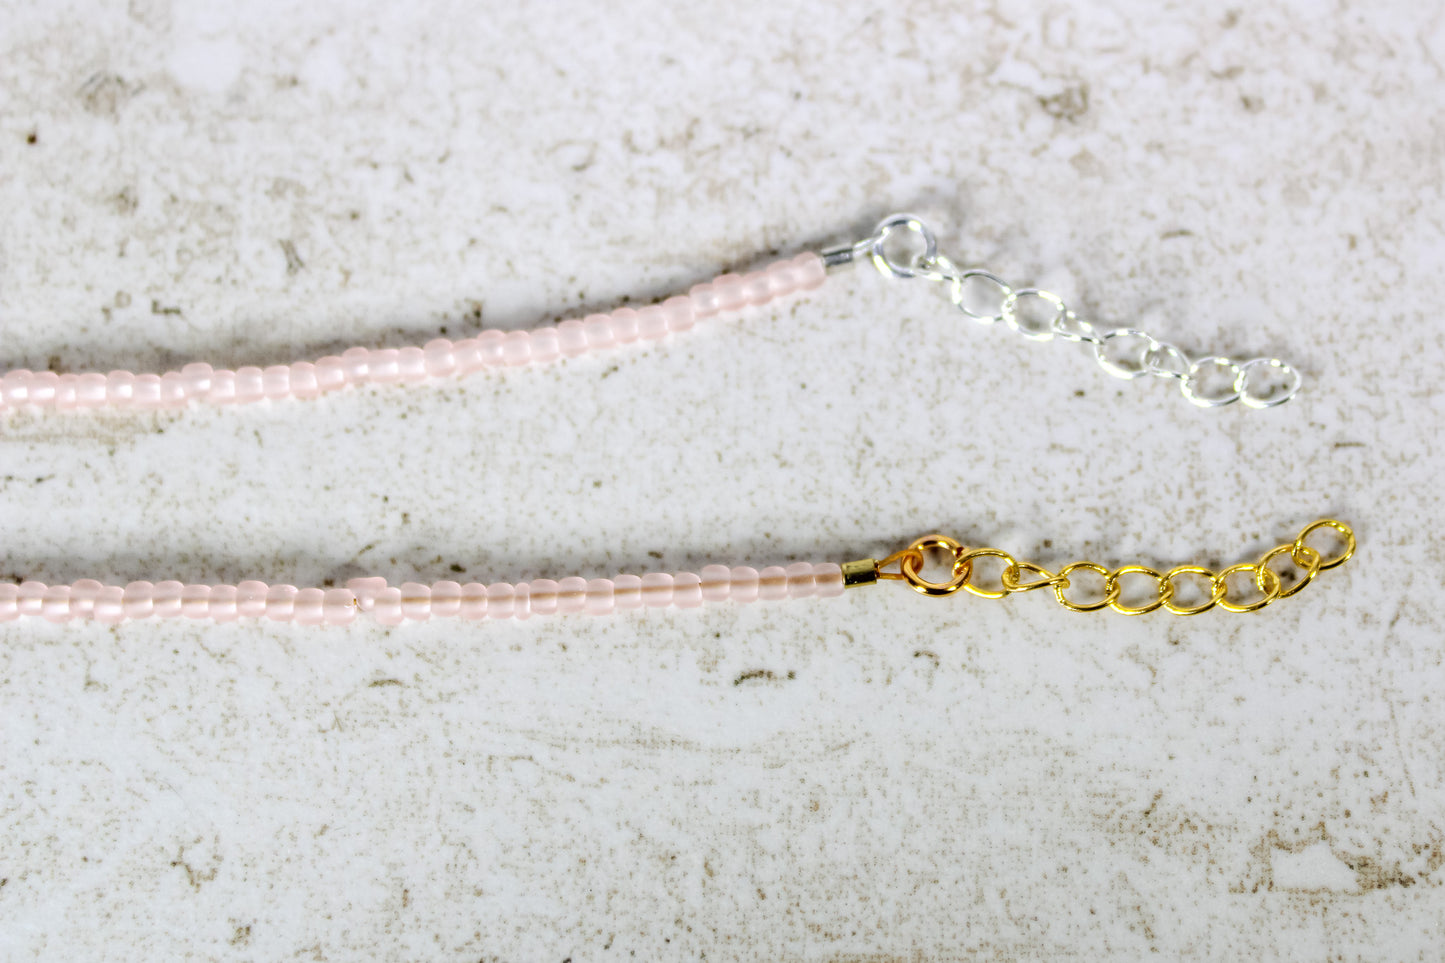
415 602
436 359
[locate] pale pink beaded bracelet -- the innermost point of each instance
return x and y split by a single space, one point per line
412 601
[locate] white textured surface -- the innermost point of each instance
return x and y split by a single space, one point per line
879 776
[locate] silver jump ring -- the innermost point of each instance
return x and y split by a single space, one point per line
955 294
1167 361
1070 327
1127 372
1189 386
1292 383
906 222
1010 315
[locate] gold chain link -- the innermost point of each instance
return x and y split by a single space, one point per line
1266 584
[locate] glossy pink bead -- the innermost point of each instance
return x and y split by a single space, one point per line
411 364
173 390
572 338
383 366
474 601
439 358
355 364
330 373
468 353
744 584
366 590
773 583
310 606
138 600
196 379
223 605
677 312
251 600
166 599
757 290
42 387
493 348
652 322
686 590
386 607
276 382
9 607
250 385
31 598
783 278
517 348
55 604
627 592
623 323
599 333
829 577
15 387
571 595
809 271
92 389
65 398
656 590
446 600
196 601
338 606
544 596
601 596
223 387
522 602
704 300
415 601
304 383
82 597
801 583
546 344
281 603
119 389
716 583
501 599
730 293
110 605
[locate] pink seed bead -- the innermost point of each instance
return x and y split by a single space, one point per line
678 313
386 607
439 359
330 373
276 382
42 387
522 603
468 354
31 598
82 597
251 600
303 380
338 607
222 606
119 389
598 329
757 290
281 603
145 394
686 590
829 576
501 599
383 367
600 596
809 271
546 344
196 379
196 601
223 387
716 581
656 590
627 592
801 584
310 606
139 600
9 607
250 385
783 277
704 301
730 293
110 605
623 323
652 322
571 595
65 392
15 387
411 364
572 338
446 600
745 584
173 390
92 389
166 600
517 348
415 601
544 596
474 601
773 583
493 348
355 363
366 590
55 604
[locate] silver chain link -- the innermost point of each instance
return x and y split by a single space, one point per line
1038 315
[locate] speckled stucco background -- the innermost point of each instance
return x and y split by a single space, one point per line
880 776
